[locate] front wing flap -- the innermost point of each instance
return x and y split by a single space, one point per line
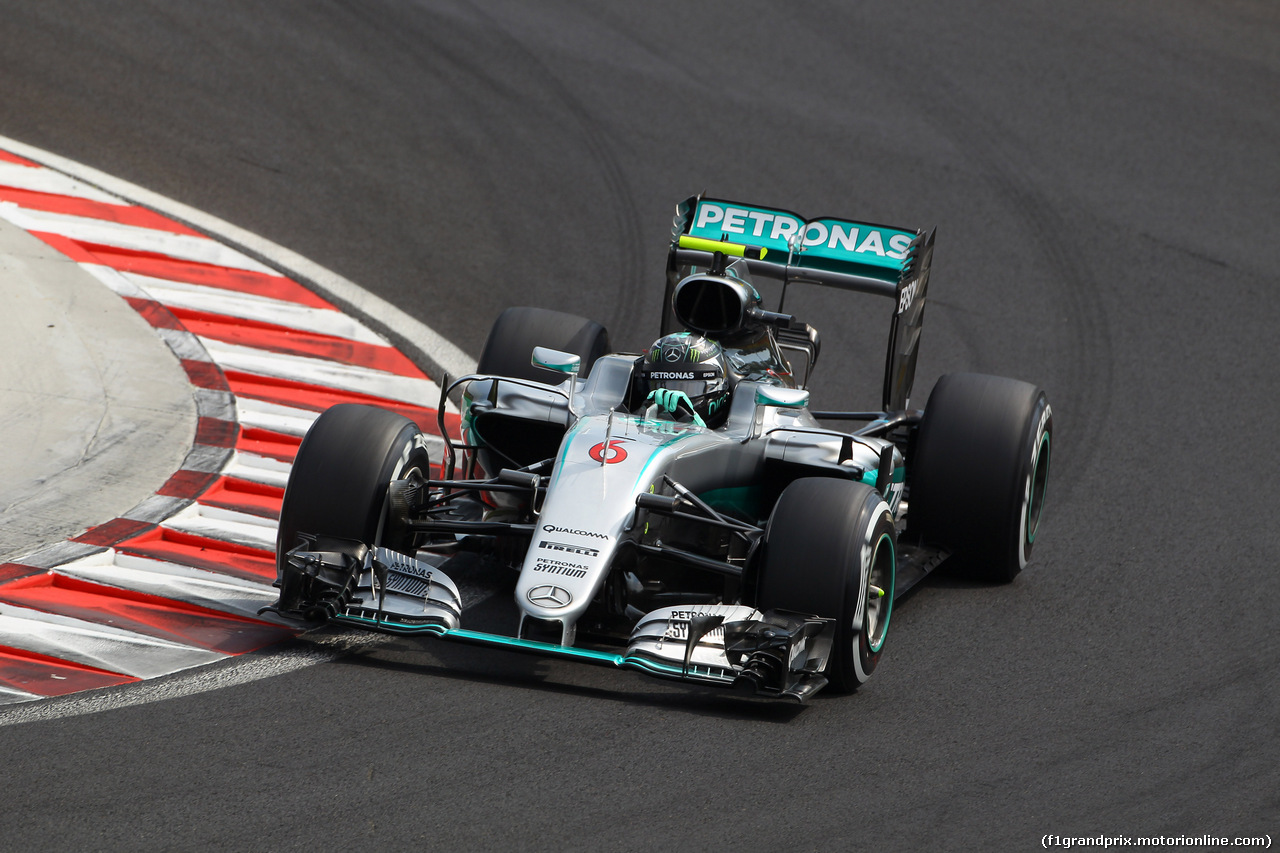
773 653
373 588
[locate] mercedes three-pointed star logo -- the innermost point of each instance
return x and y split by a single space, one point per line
549 596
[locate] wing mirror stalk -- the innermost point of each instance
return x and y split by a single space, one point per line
778 397
561 362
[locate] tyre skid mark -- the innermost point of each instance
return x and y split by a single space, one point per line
177 581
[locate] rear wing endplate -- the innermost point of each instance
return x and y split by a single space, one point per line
784 246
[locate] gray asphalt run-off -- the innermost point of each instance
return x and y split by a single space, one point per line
96 412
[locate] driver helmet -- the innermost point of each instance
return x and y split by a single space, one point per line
690 363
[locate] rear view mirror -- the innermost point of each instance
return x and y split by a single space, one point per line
783 398
552 359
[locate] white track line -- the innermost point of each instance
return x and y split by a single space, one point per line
45 181
248 306
323 372
98 645
132 237
242 669
225 525
174 581
257 469
259 414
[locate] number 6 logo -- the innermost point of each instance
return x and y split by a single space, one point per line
616 453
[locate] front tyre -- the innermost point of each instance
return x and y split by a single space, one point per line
981 472
830 550
340 478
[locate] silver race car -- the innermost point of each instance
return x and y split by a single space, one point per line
680 511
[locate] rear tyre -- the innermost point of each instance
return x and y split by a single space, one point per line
981 472
517 331
340 477
830 550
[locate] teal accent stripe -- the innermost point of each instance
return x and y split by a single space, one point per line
534 646
641 481
644 664
893 584
388 626
563 454
1042 458
870 477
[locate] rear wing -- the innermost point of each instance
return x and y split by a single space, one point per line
784 246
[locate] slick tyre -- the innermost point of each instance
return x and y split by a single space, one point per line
981 472
830 550
340 478
517 331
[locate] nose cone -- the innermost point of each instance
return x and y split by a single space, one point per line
604 463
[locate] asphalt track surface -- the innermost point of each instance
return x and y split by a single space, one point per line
1106 186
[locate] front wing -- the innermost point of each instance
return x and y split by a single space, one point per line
773 654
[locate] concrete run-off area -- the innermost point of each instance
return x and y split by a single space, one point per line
156 385
95 410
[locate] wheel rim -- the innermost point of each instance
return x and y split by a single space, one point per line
380 535
1039 487
880 606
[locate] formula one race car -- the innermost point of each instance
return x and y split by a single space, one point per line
681 511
